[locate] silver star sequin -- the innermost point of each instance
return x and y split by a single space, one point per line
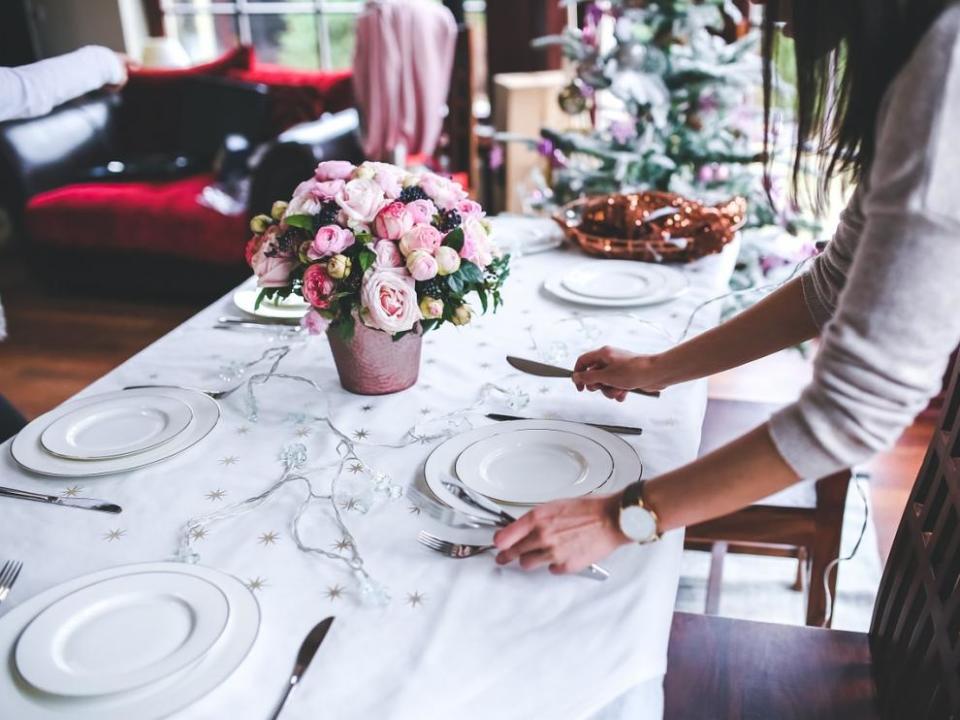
334 592
215 495
304 432
361 434
114 535
366 408
229 460
198 533
268 538
356 468
415 598
350 504
342 544
72 491
242 430
257 583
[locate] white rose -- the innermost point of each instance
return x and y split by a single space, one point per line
305 204
361 200
446 193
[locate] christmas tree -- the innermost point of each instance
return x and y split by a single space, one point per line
673 105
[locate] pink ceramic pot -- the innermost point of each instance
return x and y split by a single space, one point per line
373 363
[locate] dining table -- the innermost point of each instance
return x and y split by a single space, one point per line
426 636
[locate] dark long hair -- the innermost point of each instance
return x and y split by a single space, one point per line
847 54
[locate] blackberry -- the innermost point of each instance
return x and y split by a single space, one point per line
414 192
289 240
448 220
328 213
432 287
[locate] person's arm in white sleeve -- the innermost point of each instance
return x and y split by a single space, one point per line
33 90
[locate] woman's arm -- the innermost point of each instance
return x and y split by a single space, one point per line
778 321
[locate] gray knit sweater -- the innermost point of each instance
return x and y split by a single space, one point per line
886 292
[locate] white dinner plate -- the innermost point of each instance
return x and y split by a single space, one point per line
122 633
664 284
290 308
21 701
116 427
616 281
528 467
441 465
30 454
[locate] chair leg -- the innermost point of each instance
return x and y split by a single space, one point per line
798 582
831 499
715 580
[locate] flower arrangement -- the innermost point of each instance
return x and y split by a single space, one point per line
377 243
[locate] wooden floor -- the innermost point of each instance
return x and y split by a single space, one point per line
58 344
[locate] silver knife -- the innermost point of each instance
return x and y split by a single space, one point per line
616 429
468 496
75 502
308 648
226 320
532 367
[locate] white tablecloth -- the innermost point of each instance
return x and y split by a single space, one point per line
460 639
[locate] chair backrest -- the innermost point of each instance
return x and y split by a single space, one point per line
916 622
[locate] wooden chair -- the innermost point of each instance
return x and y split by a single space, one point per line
906 667
804 522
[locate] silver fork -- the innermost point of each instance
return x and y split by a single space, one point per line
451 549
215 394
8 576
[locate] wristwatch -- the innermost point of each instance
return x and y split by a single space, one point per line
638 521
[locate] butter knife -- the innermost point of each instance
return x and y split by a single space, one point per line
532 367
308 648
615 429
75 502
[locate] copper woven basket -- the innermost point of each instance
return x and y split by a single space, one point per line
650 226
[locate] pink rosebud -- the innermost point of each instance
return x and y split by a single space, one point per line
330 240
422 265
318 286
393 221
334 170
388 254
448 260
314 323
421 237
431 308
422 211
469 209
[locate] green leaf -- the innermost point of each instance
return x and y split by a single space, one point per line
455 283
455 239
344 328
266 294
305 222
366 257
483 301
470 272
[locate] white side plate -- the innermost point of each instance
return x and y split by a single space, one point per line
442 463
291 308
30 454
122 633
613 281
159 700
117 427
528 467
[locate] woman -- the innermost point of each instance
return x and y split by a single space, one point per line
883 297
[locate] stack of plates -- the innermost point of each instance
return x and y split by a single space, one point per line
288 309
115 432
138 641
523 463
618 284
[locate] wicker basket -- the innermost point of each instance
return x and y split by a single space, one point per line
650 226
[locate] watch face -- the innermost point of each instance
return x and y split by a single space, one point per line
637 524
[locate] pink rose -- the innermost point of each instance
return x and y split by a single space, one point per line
445 192
314 323
320 190
421 237
448 260
469 209
334 170
475 241
330 240
361 200
422 265
388 254
270 266
422 211
387 176
389 299
306 204
393 221
318 286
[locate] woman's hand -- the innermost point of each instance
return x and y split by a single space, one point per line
614 372
567 535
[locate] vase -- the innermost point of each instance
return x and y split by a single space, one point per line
373 363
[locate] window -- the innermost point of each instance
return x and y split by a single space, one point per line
298 33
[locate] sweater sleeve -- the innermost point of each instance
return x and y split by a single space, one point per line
34 90
884 351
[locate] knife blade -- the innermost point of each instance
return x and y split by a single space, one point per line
615 429
308 648
532 367
74 502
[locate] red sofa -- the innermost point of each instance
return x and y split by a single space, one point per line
155 235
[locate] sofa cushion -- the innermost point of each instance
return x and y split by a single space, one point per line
149 218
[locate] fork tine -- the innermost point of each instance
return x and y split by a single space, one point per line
16 574
5 572
431 541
